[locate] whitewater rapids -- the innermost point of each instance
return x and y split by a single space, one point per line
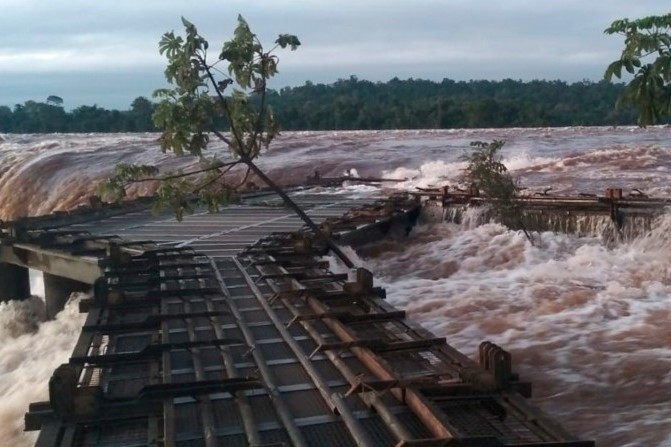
587 323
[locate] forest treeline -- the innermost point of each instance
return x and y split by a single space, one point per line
359 104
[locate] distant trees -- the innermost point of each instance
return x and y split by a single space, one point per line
647 56
416 103
141 112
6 118
353 103
50 116
37 117
55 100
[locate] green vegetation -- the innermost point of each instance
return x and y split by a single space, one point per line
49 116
646 56
55 100
487 174
203 100
358 104
416 103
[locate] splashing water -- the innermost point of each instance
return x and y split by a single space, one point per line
588 325
30 350
20 317
43 173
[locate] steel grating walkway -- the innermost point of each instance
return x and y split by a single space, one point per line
231 329
220 234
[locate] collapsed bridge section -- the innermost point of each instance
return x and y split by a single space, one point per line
614 215
193 342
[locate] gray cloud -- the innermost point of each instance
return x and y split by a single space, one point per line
106 52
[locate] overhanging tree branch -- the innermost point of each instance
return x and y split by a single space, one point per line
646 56
188 113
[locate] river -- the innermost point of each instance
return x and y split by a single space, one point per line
587 323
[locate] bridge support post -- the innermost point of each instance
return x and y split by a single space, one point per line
57 290
14 282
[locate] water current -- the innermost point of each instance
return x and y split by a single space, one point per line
586 322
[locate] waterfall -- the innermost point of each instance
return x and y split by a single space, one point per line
631 225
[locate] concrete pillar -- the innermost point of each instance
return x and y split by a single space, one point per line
57 290
14 282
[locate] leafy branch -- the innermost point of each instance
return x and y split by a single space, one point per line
647 56
486 172
206 102
172 186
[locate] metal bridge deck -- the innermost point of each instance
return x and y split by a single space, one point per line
225 233
229 329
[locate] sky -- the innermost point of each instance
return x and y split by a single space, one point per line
105 52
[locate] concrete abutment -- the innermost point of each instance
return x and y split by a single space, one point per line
14 282
57 291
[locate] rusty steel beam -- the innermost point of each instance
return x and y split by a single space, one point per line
293 344
204 402
427 412
422 405
431 416
371 399
275 395
246 413
358 432
434 420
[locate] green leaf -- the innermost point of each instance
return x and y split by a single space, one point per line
201 103
290 40
645 55
186 23
628 66
614 69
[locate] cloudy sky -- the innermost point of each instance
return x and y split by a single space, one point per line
105 52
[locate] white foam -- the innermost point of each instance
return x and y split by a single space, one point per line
28 356
430 174
577 316
524 160
580 318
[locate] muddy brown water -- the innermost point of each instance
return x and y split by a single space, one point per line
587 323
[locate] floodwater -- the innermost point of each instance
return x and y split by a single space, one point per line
587 323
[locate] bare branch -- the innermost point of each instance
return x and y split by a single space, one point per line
228 167
224 103
222 137
209 182
244 179
262 110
